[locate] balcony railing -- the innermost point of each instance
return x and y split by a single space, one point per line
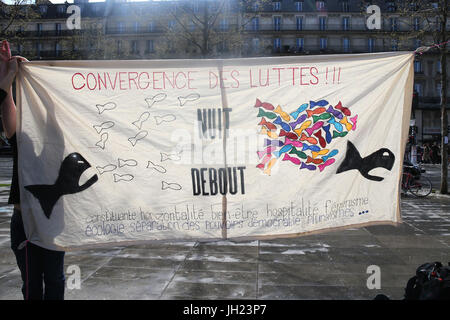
316 49
317 27
50 54
134 30
46 33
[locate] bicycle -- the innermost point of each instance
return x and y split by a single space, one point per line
419 186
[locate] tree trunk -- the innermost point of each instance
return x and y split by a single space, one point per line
444 118
205 40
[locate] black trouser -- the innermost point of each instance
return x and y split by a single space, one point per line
38 266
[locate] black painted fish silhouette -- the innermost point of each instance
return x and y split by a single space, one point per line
67 182
382 158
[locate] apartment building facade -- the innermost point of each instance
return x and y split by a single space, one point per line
116 29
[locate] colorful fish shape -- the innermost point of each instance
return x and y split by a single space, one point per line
267 124
269 133
264 105
299 110
289 135
315 127
284 149
345 111
269 115
277 143
330 155
327 163
336 125
304 125
269 166
298 121
320 103
298 153
303 136
284 115
284 125
334 112
311 140
310 113
292 159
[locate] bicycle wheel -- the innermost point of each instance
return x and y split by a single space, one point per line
420 187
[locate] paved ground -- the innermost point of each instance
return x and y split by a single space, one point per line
326 266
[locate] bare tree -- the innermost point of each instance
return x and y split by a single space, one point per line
210 28
89 43
432 16
16 13
425 22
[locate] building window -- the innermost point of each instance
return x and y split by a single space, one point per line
95 8
299 44
43 9
438 89
438 23
417 43
195 7
119 46
57 49
371 45
255 45
438 67
223 24
150 26
136 27
299 22
299 6
61 9
277 44
320 5
277 6
416 24
417 66
322 23
255 23
323 43
58 28
393 22
346 44
121 27
150 48
345 6
134 46
38 49
391 6
277 23
394 45
222 46
345 23
418 88
39 28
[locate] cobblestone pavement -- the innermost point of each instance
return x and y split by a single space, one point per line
325 266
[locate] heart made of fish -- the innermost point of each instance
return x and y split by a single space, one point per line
302 137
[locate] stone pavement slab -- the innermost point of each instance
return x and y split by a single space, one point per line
329 266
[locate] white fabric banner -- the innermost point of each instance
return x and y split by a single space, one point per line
125 151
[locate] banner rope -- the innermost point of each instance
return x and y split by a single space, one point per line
421 50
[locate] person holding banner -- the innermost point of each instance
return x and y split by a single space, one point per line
38 266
